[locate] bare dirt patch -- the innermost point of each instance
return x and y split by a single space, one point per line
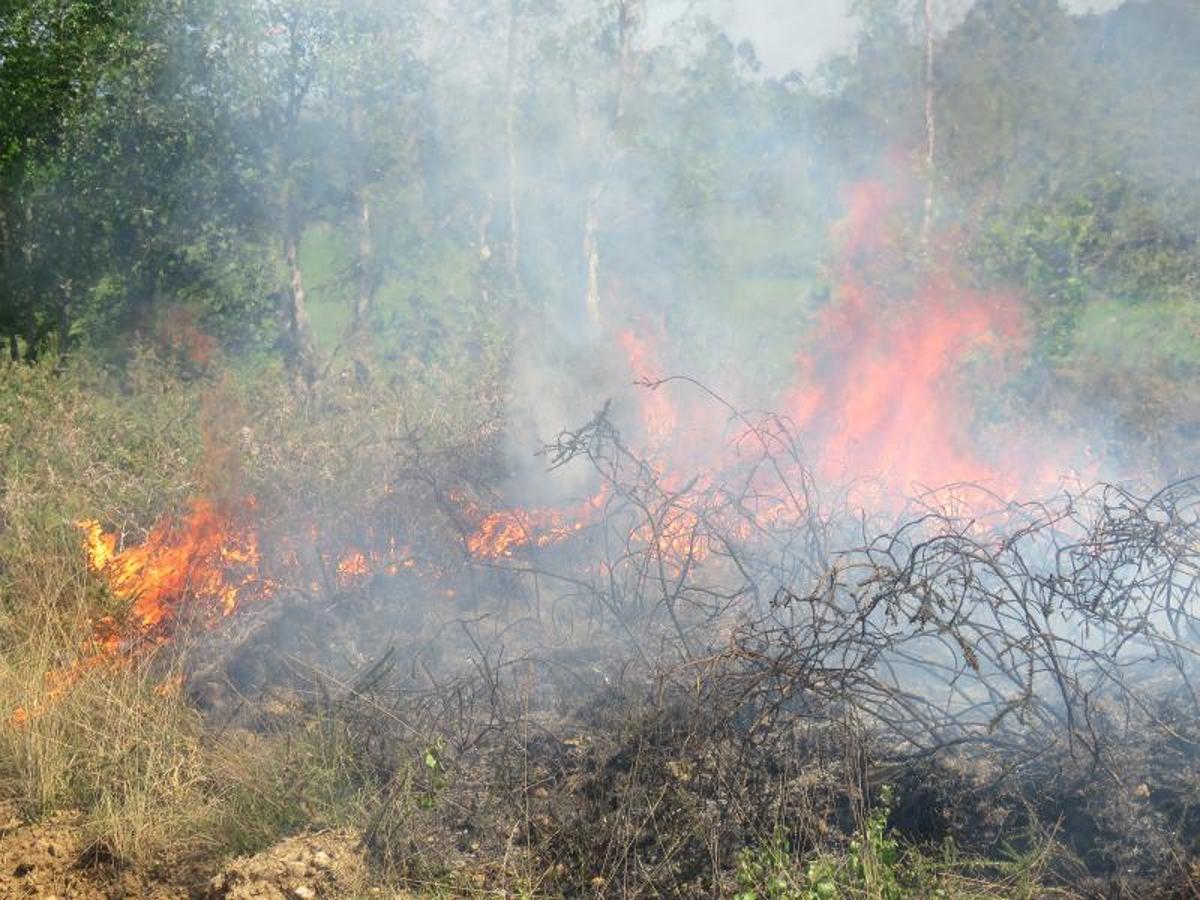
52 858
306 867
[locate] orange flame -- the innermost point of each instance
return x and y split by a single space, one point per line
882 395
883 399
208 561
100 547
352 566
204 564
660 420
499 534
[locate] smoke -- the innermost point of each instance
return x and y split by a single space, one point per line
714 187
601 201
716 190
800 35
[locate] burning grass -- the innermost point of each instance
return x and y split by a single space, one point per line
677 686
97 621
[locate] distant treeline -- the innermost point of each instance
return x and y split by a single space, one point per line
301 173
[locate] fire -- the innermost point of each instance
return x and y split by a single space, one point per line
881 397
397 563
100 547
59 681
201 566
209 561
499 535
882 393
660 420
352 566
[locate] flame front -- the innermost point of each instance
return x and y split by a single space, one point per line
499 535
882 391
660 419
100 547
879 395
207 563
352 566
201 566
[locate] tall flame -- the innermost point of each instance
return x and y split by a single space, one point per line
882 392
660 419
881 398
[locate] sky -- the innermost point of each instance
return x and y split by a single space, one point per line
798 34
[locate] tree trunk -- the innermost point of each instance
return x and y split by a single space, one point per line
366 262
7 297
510 128
65 307
364 298
930 127
629 16
591 254
32 341
33 336
302 352
4 240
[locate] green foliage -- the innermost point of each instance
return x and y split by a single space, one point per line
1110 281
873 867
162 153
436 779
874 858
768 873
53 53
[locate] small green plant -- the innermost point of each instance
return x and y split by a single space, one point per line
764 873
875 856
767 873
874 867
822 880
436 773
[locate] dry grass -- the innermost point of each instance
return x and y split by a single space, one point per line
118 743
139 763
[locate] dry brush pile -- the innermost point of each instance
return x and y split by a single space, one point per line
700 670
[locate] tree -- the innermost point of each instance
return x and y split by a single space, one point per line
52 53
628 18
930 124
372 88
